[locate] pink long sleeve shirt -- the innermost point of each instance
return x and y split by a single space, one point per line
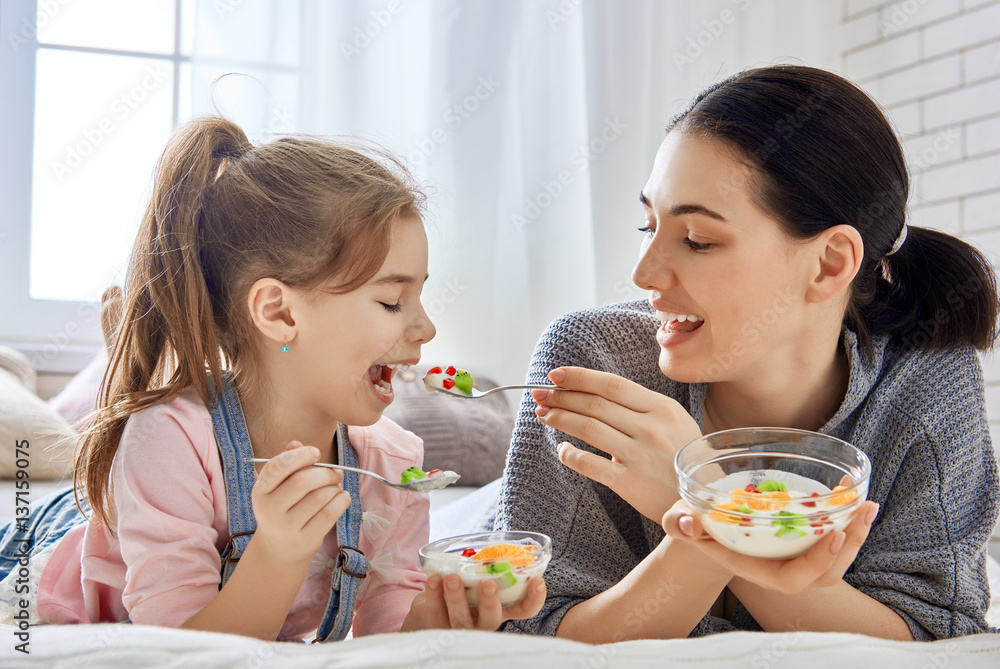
169 491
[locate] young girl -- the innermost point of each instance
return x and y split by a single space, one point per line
785 289
274 291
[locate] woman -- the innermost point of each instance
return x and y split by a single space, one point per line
785 289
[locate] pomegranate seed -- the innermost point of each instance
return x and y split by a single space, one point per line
468 552
809 504
815 494
815 524
448 384
433 471
751 487
451 371
434 370
817 531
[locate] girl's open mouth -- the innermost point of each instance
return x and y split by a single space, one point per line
381 377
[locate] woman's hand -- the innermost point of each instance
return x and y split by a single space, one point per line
641 429
823 566
296 504
442 604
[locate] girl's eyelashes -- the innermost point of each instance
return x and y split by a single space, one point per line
392 308
647 230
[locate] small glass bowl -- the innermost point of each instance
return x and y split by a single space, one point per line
444 557
714 471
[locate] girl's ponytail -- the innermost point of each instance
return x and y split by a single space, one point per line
167 336
938 292
223 214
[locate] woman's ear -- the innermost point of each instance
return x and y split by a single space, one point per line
841 251
270 304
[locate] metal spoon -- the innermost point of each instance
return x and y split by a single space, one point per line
421 485
483 393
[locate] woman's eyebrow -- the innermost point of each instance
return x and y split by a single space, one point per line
681 209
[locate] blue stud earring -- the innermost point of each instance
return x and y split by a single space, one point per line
284 348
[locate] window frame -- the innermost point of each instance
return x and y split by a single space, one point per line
57 336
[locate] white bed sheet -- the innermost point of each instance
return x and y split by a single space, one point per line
130 646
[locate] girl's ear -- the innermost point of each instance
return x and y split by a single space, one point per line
270 304
841 251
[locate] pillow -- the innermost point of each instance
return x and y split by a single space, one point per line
468 436
78 398
24 417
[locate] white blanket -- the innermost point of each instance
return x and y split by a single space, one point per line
130 646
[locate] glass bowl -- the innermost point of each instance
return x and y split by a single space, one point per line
509 567
718 475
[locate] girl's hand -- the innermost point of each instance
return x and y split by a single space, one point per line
296 504
442 604
823 566
641 429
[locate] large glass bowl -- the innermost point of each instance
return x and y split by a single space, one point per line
445 557
716 473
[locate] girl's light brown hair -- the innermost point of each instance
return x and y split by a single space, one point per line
223 214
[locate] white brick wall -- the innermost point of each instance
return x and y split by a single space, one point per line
935 66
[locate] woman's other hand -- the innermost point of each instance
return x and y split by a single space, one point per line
640 429
443 604
822 566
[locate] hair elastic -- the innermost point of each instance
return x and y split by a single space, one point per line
899 240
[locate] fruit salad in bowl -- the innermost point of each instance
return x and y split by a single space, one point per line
509 558
772 492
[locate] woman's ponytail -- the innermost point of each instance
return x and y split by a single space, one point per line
167 338
937 292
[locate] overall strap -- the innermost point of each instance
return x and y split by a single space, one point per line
351 567
234 448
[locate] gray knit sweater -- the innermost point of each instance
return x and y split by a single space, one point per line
920 418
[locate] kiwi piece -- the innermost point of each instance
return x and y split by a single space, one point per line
463 381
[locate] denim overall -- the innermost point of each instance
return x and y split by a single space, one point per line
48 520
234 447
53 516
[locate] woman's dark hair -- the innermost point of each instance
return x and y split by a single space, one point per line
821 154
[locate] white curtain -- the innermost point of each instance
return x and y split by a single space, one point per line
533 123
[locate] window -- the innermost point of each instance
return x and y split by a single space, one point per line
105 100
92 89
91 94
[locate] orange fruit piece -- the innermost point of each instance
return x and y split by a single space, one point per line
844 497
760 501
720 517
777 498
518 556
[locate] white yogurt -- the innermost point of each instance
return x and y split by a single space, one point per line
474 572
436 382
758 535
